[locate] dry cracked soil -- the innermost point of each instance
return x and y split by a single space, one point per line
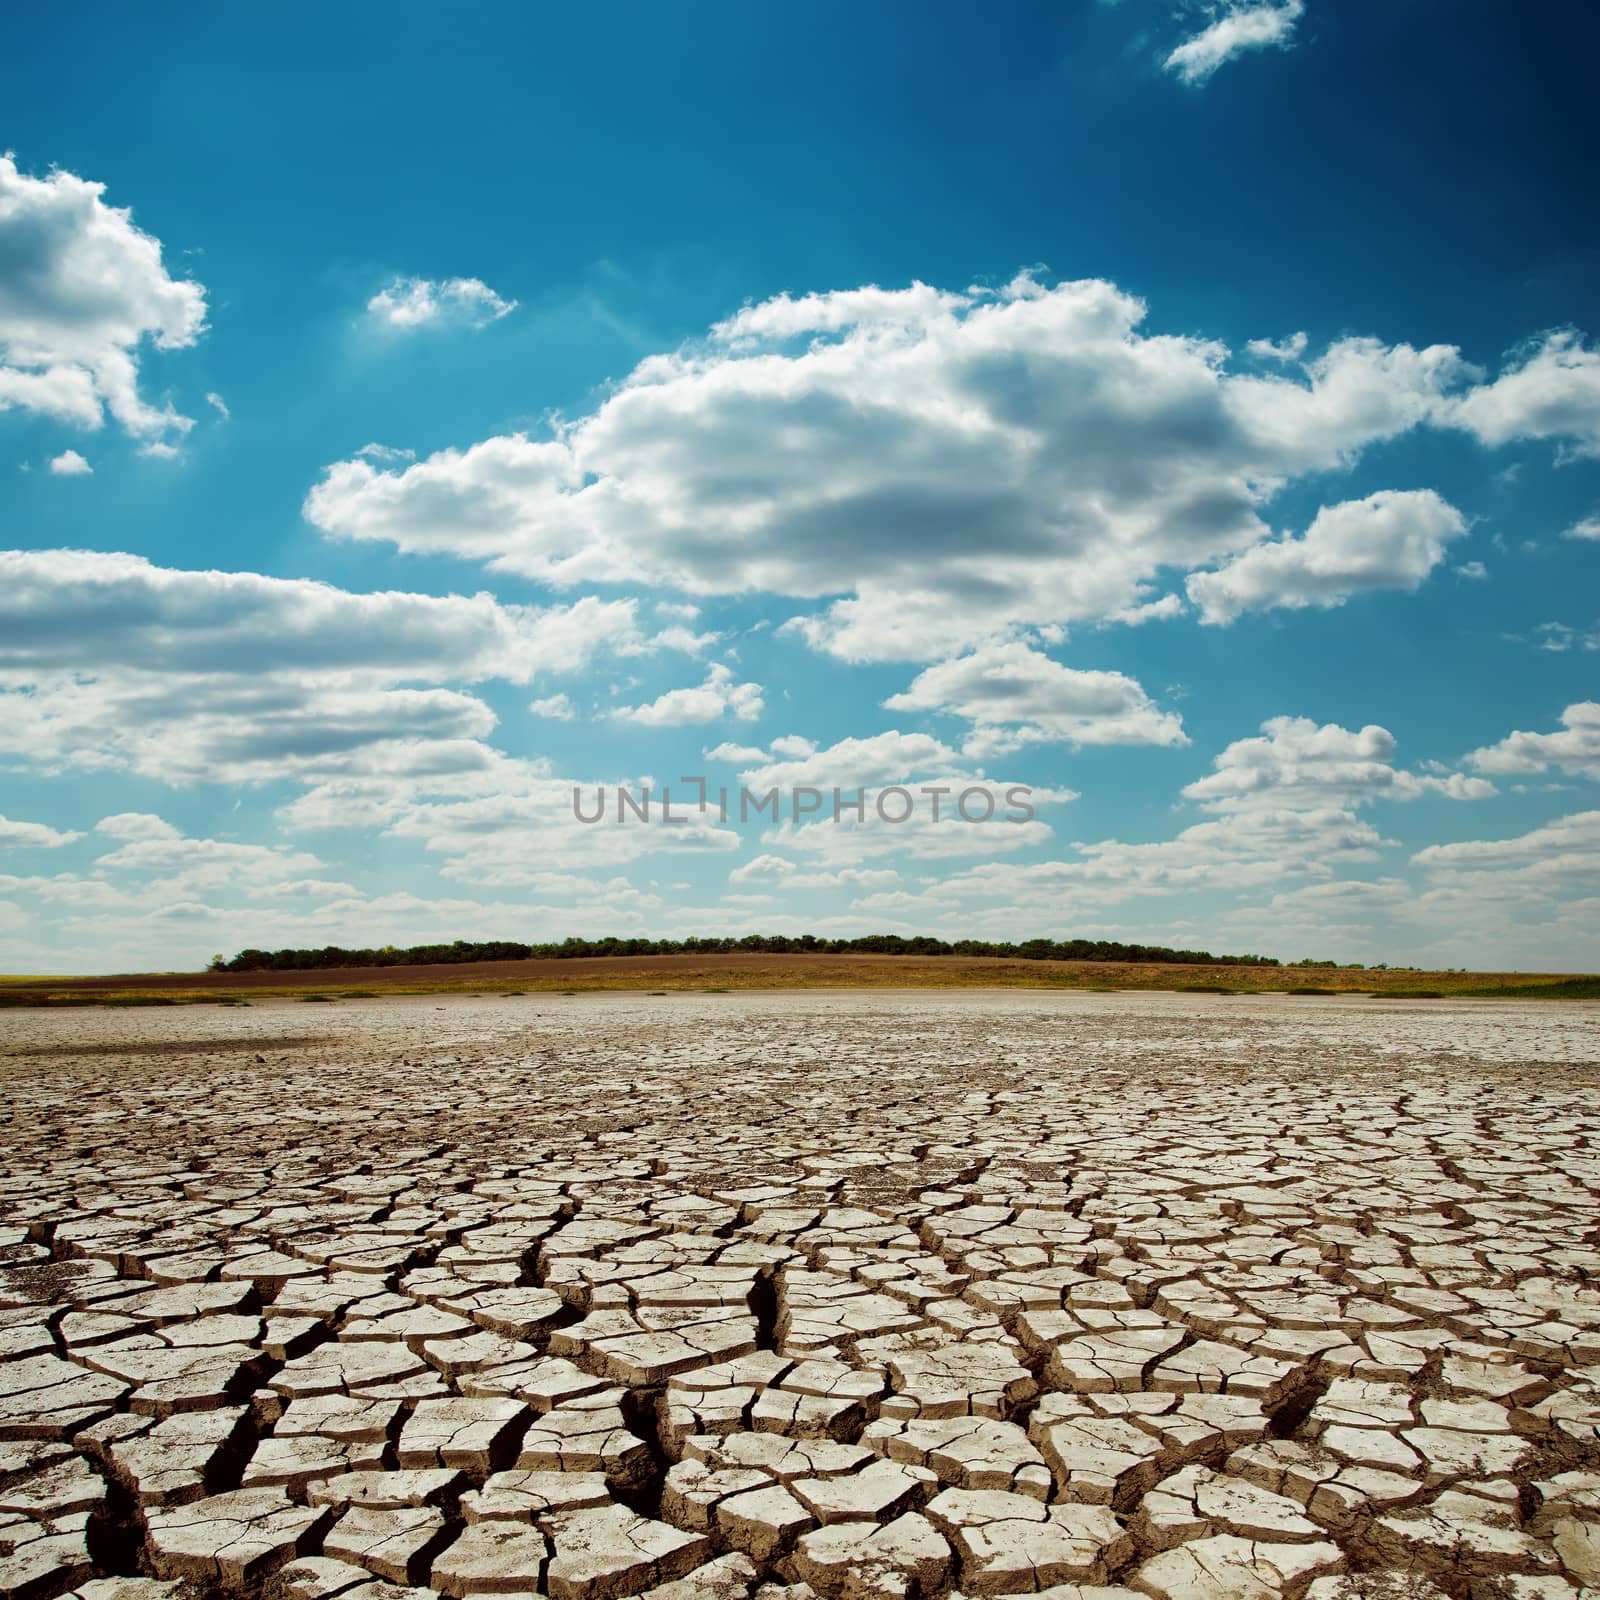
709 1297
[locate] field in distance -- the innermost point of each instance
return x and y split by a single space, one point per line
759 970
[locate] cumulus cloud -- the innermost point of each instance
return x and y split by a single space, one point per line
108 661
409 303
194 866
950 464
69 464
33 835
1297 764
1586 528
1285 823
741 754
1233 852
159 898
721 695
1238 29
1285 815
82 293
854 763
1552 392
1558 853
791 875
1574 748
78 609
1016 695
201 729
509 821
921 837
556 707
945 806
1348 911
1290 349
1390 540
135 825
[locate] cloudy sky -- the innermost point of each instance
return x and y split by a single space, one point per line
1186 411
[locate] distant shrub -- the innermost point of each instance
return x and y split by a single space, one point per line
878 944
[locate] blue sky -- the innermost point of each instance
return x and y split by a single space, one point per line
1186 411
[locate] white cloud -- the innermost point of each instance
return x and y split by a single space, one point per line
1587 528
190 867
737 753
1574 749
185 730
83 291
888 757
1558 853
902 901
557 707
1559 637
1553 392
157 872
951 464
1015 695
1238 29
1291 349
763 869
683 639
1475 571
781 870
509 821
947 807
1236 851
78 609
921 836
1390 540
69 464
721 695
136 825
218 404
174 904
1315 917
32 835
450 302
1296 764
108 661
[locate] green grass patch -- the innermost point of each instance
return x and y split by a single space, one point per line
19 1002
1562 989
1205 988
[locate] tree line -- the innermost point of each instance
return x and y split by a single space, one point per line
878 944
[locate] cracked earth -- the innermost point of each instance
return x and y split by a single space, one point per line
848 1296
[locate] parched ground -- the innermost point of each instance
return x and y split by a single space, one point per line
852 1295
